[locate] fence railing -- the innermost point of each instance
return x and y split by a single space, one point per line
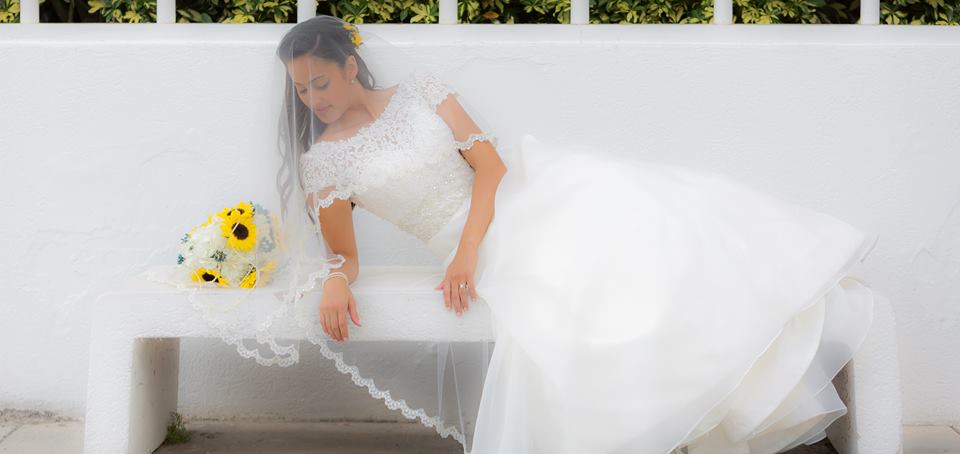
579 11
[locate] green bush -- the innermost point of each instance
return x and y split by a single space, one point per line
913 12
796 12
9 11
651 11
920 12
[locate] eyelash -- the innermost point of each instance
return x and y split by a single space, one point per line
321 88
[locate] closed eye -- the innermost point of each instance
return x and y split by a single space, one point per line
324 87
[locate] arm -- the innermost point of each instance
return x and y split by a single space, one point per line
488 171
336 225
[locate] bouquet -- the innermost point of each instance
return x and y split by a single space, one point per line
236 247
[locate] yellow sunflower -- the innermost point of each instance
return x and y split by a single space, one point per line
268 268
253 277
280 237
209 221
354 34
208 275
250 280
240 231
242 209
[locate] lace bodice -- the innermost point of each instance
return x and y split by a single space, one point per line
403 167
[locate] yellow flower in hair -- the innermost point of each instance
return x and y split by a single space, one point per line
354 34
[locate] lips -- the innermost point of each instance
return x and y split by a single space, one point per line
323 110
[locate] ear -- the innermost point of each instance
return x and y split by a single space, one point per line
351 67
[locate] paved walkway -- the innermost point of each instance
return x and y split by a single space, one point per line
28 432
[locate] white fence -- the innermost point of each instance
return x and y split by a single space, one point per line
579 11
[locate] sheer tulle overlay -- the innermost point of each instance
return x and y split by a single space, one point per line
644 307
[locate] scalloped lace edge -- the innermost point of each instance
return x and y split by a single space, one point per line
292 355
354 372
335 194
474 138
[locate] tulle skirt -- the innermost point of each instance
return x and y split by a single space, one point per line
641 307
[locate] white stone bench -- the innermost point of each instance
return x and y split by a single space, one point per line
136 332
869 385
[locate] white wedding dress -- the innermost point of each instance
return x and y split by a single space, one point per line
638 307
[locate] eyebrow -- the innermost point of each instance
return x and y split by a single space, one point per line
311 80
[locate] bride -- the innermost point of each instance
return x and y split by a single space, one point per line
638 307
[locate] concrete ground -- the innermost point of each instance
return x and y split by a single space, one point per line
30 432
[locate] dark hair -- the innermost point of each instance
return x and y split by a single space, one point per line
325 37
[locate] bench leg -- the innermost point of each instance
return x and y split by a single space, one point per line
156 368
131 390
869 385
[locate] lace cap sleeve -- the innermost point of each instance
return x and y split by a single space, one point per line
465 130
321 182
431 88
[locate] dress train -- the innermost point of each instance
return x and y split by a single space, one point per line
644 307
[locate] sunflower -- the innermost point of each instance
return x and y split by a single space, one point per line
354 34
250 280
209 221
242 209
208 275
278 232
268 268
240 231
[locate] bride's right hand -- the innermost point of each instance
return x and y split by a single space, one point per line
336 301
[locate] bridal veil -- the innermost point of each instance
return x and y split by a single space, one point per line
435 383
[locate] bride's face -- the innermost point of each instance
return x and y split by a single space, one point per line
322 85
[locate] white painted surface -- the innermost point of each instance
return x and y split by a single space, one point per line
104 128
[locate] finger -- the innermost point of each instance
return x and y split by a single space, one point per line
326 327
447 298
333 332
463 298
328 320
457 304
335 327
353 311
473 291
342 319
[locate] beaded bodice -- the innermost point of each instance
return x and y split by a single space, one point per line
403 167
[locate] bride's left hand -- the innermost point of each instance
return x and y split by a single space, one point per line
461 269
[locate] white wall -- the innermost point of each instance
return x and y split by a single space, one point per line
115 139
